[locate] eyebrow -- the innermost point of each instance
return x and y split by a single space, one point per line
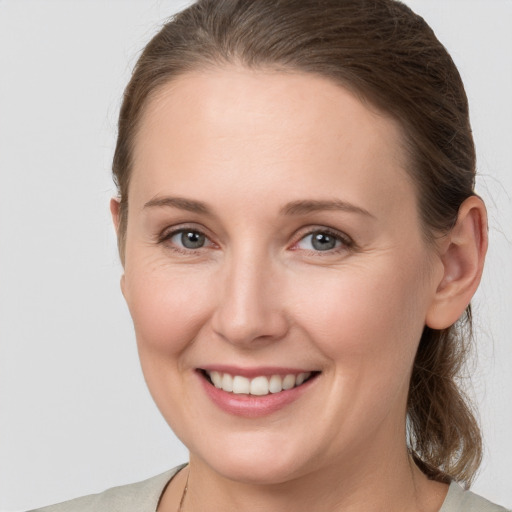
300 207
181 203
303 207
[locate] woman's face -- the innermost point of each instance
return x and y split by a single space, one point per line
273 231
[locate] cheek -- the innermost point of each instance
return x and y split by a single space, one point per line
368 325
365 317
168 306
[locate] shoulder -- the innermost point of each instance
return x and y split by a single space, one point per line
459 500
138 497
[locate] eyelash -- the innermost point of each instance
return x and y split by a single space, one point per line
346 242
166 236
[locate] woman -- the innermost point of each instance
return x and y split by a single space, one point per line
301 240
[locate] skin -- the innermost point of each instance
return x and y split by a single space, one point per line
247 143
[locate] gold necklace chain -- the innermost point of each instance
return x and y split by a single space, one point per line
180 508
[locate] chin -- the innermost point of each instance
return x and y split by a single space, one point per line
257 472
256 461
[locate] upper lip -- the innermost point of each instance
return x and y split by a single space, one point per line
256 371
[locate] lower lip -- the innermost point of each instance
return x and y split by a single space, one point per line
253 406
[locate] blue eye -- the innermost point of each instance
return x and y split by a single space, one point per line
189 239
320 241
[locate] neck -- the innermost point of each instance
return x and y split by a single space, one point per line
396 485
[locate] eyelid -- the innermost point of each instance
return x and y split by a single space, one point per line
168 233
346 241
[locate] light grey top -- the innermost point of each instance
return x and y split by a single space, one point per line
144 497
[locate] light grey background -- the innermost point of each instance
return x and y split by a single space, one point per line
75 416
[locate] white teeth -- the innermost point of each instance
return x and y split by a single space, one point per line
227 382
275 384
241 385
289 381
259 386
300 378
216 379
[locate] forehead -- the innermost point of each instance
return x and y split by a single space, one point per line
264 129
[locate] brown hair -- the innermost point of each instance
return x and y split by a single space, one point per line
389 57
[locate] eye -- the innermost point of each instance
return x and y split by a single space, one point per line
186 238
190 239
322 241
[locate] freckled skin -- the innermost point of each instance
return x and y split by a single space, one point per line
246 143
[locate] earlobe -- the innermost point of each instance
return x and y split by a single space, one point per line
114 210
462 255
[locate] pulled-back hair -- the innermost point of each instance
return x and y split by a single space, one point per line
390 58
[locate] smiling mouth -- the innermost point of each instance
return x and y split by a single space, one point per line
258 386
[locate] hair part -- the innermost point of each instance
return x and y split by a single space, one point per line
389 57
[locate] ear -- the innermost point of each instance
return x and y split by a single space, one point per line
462 254
115 203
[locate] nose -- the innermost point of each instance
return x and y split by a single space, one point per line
250 311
